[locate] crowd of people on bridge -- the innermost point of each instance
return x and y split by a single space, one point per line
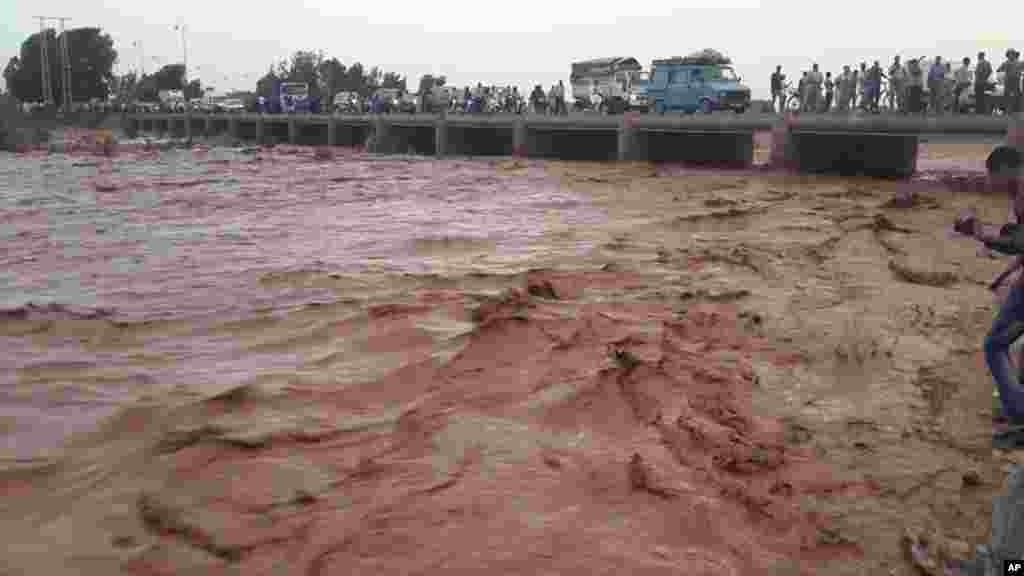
490 99
916 87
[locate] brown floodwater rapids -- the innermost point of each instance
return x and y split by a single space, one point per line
258 361
190 234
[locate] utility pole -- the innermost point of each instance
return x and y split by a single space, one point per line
65 56
44 56
184 49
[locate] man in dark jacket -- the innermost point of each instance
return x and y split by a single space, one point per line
1004 167
982 74
778 79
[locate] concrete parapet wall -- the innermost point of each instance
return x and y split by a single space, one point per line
869 145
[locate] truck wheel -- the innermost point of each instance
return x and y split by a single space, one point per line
705 106
740 110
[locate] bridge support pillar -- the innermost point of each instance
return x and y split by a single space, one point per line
261 129
848 153
233 127
188 126
627 138
332 131
520 145
293 131
208 126
161 127
381 135
441 137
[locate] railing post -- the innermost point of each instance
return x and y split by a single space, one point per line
441 136
332 130
520 146
626 133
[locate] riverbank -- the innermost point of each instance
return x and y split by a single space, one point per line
558 366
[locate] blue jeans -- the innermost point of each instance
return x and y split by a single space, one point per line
1006 329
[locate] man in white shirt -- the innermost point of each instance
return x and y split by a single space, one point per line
963 79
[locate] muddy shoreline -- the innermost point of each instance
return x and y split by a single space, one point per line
732 372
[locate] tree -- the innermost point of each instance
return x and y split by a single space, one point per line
11 71
265 85
170 77
332 76
93 58
126 85
145 89
428 81
392 80
194 89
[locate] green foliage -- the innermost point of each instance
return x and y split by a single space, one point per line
327 76
93 55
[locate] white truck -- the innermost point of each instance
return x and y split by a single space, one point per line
612 79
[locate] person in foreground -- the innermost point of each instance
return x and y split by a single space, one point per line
1004 166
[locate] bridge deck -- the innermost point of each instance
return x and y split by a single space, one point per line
816 123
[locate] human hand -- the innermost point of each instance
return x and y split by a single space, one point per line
966 223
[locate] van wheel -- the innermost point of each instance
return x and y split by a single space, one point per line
705 106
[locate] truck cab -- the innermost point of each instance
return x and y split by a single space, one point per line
687 85
612 78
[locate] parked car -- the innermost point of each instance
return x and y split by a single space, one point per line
347 103
693 83
231 106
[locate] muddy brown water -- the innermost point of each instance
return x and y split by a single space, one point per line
263 362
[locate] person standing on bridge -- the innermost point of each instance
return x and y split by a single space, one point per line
897 85
830 87
814 82
778 79
801 91
982 74
936 85
874 86
846 83
560 99
1011 87
856 85
915 86
963 82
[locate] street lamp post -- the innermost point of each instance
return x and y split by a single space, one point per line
184 50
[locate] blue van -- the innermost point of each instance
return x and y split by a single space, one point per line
688 85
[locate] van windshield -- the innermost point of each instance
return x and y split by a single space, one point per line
720 73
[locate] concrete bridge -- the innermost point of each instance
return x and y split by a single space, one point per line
870 145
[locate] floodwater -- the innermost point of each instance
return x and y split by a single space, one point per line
190 234
267 363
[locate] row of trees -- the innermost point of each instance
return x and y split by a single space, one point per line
92 75
94 57
327 76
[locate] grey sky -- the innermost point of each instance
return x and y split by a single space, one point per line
520 42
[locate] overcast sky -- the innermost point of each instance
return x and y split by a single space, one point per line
520 42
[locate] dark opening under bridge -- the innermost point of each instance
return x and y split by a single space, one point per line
869 145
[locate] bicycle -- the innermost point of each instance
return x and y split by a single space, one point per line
792 99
